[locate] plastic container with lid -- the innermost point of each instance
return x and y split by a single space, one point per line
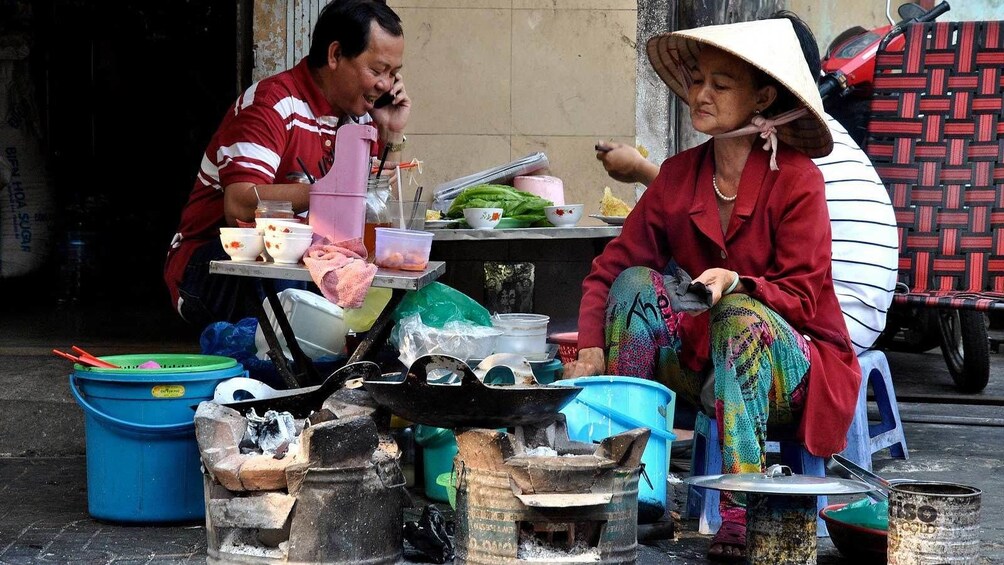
407 250
522 333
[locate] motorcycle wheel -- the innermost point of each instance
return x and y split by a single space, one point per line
965 346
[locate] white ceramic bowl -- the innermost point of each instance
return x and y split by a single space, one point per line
483 218
269 225
564 215
242 244
287 250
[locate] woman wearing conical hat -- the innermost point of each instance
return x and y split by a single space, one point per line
745 214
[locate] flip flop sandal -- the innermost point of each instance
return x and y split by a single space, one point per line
731 534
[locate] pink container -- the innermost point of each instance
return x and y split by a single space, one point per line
338 199
550 188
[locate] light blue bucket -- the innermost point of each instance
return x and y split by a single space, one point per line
609 405
143 460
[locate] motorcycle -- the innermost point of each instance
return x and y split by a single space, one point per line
846 87
849 65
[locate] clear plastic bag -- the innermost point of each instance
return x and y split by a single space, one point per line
461 339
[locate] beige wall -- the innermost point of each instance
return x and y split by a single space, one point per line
494 80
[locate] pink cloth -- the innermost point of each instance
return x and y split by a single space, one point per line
340 270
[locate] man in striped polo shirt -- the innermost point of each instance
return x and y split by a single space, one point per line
355 57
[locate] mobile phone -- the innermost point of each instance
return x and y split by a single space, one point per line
384 100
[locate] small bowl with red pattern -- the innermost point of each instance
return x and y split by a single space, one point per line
483 218
242 244
564 216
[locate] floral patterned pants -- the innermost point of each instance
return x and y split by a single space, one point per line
758 362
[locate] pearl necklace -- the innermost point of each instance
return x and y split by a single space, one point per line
714 183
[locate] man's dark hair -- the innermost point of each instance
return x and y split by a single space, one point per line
348 23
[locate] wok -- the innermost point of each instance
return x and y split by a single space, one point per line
443 391
300 402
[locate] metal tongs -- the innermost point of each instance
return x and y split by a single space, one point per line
85 358
882 486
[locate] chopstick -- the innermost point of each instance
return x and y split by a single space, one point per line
98 362
383 159
402 166
92 361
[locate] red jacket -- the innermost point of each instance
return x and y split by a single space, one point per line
778 241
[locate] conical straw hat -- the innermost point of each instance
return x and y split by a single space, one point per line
769 45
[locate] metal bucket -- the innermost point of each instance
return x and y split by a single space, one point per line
780 529
931 522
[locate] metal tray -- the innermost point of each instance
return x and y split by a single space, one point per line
443 391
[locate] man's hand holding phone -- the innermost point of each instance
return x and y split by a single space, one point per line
392 109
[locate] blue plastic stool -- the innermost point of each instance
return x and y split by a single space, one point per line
864 439
706 459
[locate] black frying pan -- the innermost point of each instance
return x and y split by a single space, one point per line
443 391
300 402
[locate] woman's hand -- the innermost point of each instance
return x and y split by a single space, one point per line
591 362
622 162
718 280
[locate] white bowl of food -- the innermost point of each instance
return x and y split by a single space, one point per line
564 215
483 218
242 244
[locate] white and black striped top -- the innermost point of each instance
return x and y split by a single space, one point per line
865 247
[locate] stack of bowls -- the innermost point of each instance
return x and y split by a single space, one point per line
242 244
286 241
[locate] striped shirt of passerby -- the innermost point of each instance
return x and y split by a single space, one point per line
865 245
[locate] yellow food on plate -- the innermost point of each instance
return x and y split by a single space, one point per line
610 205
433 215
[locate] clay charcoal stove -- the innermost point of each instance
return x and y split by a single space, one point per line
533 495
332 495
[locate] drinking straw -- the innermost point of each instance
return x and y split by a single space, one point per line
303 167
400 198
255 188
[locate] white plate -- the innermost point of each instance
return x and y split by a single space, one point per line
439 224
612 220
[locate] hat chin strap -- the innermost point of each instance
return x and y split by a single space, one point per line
767 129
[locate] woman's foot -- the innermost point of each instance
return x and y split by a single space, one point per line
729 544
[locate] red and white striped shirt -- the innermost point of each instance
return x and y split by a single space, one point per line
273 122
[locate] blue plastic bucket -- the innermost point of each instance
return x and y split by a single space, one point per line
439 447
609 405
143 460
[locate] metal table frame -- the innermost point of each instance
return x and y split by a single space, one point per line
264 273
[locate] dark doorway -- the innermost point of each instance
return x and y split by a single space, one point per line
129 93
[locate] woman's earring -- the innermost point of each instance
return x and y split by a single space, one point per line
756 111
